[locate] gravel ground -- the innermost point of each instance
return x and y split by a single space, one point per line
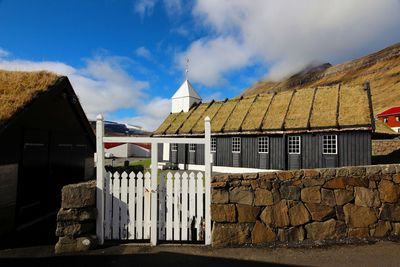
383 253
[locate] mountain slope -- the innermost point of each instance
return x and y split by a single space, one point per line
382 69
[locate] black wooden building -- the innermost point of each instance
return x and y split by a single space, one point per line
328 126
45 142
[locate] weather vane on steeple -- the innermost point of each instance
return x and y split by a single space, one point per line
187 68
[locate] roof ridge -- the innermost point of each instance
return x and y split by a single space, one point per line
371 108
287 109
194 124
338 105
267 110
247 113
227 118
311 108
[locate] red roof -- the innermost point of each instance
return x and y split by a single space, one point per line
390 111
111 145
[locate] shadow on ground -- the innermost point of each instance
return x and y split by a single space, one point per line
163 259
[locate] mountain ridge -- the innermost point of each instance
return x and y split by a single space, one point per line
381 69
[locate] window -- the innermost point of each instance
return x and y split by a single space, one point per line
329 144
192 147
174 147
385 119
213 144
236 144
397 118
263 143
294 145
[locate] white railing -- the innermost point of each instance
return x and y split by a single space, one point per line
177 198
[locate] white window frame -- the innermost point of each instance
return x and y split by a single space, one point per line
174 147
213 144
192 147
385 120
236 144
329 144
263 145
293 142
397 118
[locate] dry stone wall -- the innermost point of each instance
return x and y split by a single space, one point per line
318 204
385 146
76 220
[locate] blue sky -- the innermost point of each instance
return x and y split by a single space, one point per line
126 58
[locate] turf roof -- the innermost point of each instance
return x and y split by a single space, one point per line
310 109
17 89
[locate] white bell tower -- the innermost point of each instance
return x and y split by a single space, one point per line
185 97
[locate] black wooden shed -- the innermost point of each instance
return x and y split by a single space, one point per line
329 126
45 142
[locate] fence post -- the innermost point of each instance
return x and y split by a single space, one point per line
154 175
100 173
208 173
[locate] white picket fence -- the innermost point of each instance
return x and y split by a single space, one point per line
181 198
171 207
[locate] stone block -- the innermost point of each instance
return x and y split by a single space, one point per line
254 184
366 197
328 197
320 212
267 176
357 181
299 215
73 229
219 196
336 183
357 216
342 172
223 212
265 184
390 212
357 171
396 178
343 196
311 173
396 229
308 182
65 245
241 196
321 230
263 197
217 185
78 215
231 234
289 192
358 232
383 228
247 213
79 195
277 215
267 216
372 170
328 173
339 213
285 175
389 169
292 234
388 191
250 176
262 234
311 194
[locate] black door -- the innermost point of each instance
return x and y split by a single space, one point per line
294 152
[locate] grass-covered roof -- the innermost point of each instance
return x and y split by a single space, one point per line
330 107
17 89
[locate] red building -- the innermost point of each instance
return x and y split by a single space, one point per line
391 117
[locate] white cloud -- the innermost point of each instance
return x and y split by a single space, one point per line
173 7
287 34
103 86
4 53
143 52
144 7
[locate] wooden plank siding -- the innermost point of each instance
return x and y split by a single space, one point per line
353 148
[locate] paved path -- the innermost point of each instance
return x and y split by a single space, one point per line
382 253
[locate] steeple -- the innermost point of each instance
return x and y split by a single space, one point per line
184 98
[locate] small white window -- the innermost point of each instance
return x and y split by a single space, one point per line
174 147
263 143
329 144
213 144
236 143
294 145
192 147
397 118
385 119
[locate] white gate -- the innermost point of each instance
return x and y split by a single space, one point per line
166 206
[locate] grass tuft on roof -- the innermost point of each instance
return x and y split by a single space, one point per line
166 123
299 109
210 112
256 113
324 110
179 121
18 88
235 120
193 118
354 108
276 114
383 128
223 114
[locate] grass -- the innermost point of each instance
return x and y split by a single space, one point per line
353 106
299 110
256 113
145 162
275 116
238 115
325 107
19 88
